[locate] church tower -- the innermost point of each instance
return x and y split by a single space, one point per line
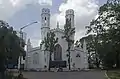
45 22
29 46
70 16
45 28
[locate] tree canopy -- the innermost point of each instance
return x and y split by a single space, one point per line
49 43
68 33
106 28
9 44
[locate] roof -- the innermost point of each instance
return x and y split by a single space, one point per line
34 49
57 30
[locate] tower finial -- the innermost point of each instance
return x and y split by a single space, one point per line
29 41
29 46
57 24
84 46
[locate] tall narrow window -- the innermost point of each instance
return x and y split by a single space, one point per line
45 59
36 58
45 21
58 52
45 18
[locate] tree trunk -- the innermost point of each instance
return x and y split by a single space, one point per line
2 75
2 68
50 61
117 60
97 63
69 56
69 60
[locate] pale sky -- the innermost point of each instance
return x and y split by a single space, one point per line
21 12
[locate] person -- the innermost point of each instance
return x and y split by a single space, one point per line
20 76
55 69
60 69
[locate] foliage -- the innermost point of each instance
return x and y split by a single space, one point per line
77 44
92 56
49 43
9 45
114 74
68 33
10 75
106 29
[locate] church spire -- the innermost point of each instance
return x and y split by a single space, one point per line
57 24
29 46
84 46
29 41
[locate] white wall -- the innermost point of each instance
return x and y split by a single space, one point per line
30 57
79 61
63 44
46 58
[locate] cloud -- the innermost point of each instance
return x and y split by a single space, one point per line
23 2
45 2
35 42
85 10
10 7
53 20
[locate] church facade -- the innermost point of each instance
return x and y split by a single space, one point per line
38 59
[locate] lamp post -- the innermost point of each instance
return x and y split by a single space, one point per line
21 36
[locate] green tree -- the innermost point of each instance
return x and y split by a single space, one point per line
107 30
68 33
90 40
111 38
9 46
49 43
92 58
96 27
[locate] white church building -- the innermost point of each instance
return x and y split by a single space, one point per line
38 59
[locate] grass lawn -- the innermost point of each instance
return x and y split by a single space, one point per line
114 74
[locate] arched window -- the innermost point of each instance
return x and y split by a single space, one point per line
45 59
35 58
58 52
45 21
45 18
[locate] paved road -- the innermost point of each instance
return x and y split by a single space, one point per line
65 75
